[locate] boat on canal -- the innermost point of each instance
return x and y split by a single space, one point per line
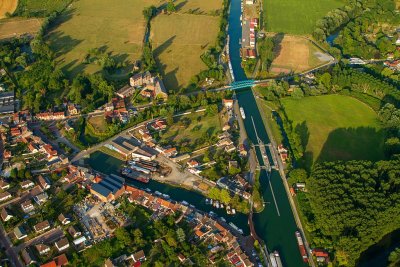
275 259
137 176
236 228
242 113
302 248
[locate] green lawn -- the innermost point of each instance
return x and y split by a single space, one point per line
296 16
335 127
200 124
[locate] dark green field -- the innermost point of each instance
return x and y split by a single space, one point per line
336 127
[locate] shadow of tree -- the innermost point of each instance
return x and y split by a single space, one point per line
362 143
278 44
302 130
180 5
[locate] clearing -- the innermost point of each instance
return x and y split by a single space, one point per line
7 6
297 54
99 123
294 16
335 127
188 128
178 41
14 27
116 28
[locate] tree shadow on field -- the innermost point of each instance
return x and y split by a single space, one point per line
302 130
170 80
64 17
362 143
161 48
62 43
278 43
179 6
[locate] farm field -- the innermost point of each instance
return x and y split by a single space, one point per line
178 41
198 6
179 132
7 6
40 7
297 54
117 28
335 127
18 26
294 16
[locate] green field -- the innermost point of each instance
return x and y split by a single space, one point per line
115 27
200 124
296 16
40 7
335 127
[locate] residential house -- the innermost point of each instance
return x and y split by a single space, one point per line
5 196
20 232
230 148
43 182
27 206
50 152
5 215
27 257
321 255
125 91
42 249
42 226
283 153
139 256
150 85
61 260
41 198
159 125
193 163
242 150
170 152
26 184
227 103
74 232
72 110
7 154
4 185
62 244
64 219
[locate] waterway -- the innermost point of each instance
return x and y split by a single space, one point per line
275 224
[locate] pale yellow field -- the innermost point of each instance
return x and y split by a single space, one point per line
7 6
117 27
17 26
297 54
178 41
201 6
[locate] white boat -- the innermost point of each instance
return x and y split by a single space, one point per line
212 213
222 206
233 211
223 219
217 204
192 206
207 201
211 201
185 203
157 193
148 190
242 113
165 196
241 17
275 259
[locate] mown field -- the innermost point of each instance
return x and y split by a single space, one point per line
297 54
13 27
117 27
178 41
335 127
7 6
180 38
294 16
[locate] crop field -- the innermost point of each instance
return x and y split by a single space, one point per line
335 127
294 16
116 27
178 41
18 26
297 54
7 6
40 8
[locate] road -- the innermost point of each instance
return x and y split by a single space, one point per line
9 249
47 237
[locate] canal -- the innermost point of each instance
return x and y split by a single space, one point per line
275 224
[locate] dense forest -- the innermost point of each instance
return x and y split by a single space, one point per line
353 205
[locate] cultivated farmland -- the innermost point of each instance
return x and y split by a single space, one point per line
116 27
297 54
178 41
7 6
335 127
17 26
294 16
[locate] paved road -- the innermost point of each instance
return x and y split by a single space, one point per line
9 249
